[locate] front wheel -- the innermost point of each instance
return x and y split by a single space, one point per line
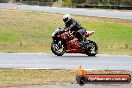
93 50
58 48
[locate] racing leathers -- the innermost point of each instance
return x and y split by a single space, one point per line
79 31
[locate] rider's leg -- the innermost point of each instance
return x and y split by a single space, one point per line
81 38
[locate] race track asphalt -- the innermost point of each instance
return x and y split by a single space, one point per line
67 61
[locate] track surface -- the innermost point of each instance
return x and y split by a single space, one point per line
78 86
68 61
87 12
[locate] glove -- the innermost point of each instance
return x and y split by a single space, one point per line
67 29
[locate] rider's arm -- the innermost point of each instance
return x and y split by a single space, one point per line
73 24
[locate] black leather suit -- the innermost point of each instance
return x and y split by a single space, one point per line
79 31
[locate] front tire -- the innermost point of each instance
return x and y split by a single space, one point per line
56 49
93 50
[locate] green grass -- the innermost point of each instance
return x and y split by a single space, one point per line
7 37
30 31
114 37
15 77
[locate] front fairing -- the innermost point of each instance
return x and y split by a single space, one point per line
57 31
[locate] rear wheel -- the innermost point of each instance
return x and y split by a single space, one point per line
58 48
93 50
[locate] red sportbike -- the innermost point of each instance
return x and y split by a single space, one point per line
64 41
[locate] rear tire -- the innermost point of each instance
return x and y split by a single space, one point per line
56 51
92 51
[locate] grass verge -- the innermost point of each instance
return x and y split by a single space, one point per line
30 31
20 77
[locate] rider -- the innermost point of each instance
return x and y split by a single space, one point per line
73 25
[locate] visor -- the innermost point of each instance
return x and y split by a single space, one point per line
65 19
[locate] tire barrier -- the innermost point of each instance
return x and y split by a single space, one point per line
82 78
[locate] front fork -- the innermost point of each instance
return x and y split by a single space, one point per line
58 42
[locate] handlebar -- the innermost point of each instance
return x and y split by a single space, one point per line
67 29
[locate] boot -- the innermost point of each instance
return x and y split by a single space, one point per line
81 44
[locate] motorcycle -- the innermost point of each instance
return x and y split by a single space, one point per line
64 41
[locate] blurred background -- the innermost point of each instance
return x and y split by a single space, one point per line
106 4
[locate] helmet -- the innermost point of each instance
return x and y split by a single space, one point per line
67 17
